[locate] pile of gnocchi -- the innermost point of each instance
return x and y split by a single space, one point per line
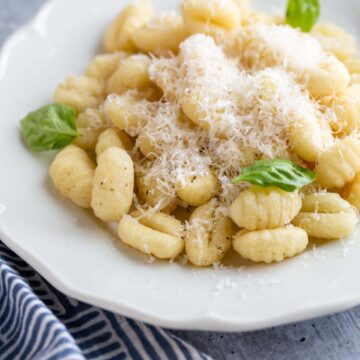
179 105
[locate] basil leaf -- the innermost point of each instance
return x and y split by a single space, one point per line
50 127
302 14
280 173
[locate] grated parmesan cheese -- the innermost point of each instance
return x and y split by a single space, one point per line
232 118
260 46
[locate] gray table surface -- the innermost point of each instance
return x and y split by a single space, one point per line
334 337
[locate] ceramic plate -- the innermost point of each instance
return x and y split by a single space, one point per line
81 257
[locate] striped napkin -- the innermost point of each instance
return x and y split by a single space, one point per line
37 322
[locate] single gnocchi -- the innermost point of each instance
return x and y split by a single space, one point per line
272 245
210 17
329 78
132 73
90 124
351 193
161 33
353 66
346 107
309 135
264 208
113 137
80 92
335 40
104 65
158 235
209 237
72 173
127 112
326 216
339 164
113 187
150 193
118 35
161 222
198 190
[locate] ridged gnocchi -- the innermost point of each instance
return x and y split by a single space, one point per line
72 173
161 33
326 216
259 208
126 112
339 164
132 73
198 190
269 246
353 65
346 107
208 237
210 17
118 35
149 192
156 235
104 65
308 136
90 124
352 193
80 92
336 40
113 137
113 188
329 78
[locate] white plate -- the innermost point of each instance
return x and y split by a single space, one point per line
76 253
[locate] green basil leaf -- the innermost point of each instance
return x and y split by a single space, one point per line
50 127
302 14
280 173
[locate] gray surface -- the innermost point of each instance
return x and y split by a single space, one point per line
335 337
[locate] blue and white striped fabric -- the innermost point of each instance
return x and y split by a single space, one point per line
38 322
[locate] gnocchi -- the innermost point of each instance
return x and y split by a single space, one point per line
330 77
90 124
113 188
308 136
269 246
72 173
118 35
198 190
326 216
339 164
162 33
149 240
352 193
132 73
335 40
210 17
152 196
264 208
104 65
80 92
180 111
208 239
346 107
113 138
126 112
